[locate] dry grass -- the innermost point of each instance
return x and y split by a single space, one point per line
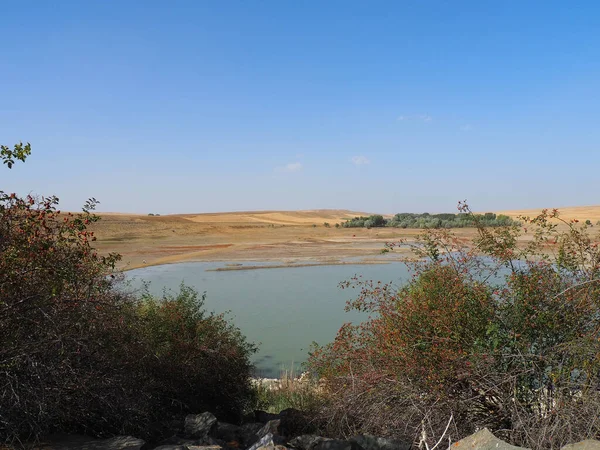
285 237
280 236
290 390
581 213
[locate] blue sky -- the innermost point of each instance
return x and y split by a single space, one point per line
193 106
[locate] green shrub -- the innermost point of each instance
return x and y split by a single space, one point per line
200 361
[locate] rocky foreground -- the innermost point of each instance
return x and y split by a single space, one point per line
274 432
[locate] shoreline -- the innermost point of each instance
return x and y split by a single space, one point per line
233 265
291 266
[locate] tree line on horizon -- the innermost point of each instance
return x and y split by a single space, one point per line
426 220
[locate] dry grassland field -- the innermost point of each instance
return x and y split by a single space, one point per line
283 237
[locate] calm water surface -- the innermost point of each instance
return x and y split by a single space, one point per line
283 309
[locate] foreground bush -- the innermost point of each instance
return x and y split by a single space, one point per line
499 332
199 361
77 354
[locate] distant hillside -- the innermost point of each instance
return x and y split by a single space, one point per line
306 217
582 213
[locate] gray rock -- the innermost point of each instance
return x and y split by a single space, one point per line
189 447
274 447
86 443
252 427
369 442
306 441
203 447
272 426
199 425
265 441
337 444
483 440
588 444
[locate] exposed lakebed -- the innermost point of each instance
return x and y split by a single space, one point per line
283 309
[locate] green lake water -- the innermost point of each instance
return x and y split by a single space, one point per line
283 309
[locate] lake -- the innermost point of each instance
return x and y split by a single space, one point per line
282 309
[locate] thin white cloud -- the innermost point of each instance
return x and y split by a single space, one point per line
360 160
420 117
466 127
291 167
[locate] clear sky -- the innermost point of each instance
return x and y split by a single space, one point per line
193 106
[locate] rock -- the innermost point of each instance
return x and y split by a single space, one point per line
199 425
252 427
265 441
86 443
236 436
369 442
588 444
274 447
337 444
306 441
175 441
189 447
483 440
203 447
264 417
171 447
294 423
226 431
272 427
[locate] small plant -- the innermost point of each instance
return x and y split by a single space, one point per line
289 391
326 224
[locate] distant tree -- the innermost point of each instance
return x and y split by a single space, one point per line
377 220
326 224
426 220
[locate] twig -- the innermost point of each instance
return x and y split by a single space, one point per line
445 431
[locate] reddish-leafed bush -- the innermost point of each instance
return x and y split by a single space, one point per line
502 332
78 354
